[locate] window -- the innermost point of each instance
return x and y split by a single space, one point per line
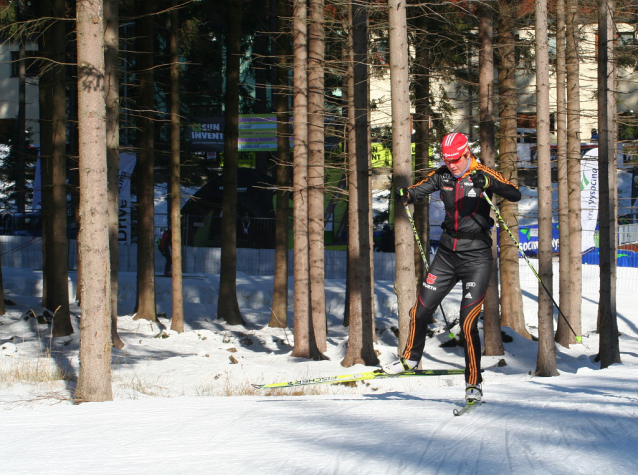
31 61
626 38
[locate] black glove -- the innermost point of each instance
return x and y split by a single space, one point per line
404 196
480 180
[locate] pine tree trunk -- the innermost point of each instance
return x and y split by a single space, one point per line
361 329
58 270
422 146
228 307
279 312
94 382
609 344
305 346
404 284
573 169
46 142
511 296
316 189
546 358
177 320
145 167
20 184
562 331
491 311
111 59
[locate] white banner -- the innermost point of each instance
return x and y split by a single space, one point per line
589 191
127 164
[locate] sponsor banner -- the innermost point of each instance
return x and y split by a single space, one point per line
207 134
268 121
589 192
127 164
268 143
528 239
624 258
257 132
261 127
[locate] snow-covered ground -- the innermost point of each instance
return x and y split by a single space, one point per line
184 405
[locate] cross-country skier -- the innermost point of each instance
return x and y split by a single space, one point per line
464 252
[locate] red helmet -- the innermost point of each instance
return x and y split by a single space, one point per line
454 146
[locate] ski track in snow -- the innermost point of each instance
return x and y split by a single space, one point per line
169 416
542 433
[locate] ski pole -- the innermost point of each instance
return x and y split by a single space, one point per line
579 339
425 262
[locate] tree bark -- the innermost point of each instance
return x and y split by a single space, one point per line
316 61
20 184
491 311
573 169
609 344
546 357
112 82
46 141
305 345
145 167
361 329
177 320
279 312
57 271
94 382
228 307
422 114
404 284
511 296
562 331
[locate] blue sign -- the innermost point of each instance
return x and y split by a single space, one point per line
528 239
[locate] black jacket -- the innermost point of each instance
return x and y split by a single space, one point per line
467 215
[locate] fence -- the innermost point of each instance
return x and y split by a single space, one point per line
26 252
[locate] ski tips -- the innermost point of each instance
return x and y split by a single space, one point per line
256 386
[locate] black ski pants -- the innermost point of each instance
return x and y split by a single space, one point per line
473 269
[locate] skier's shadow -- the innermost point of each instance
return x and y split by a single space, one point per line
401 396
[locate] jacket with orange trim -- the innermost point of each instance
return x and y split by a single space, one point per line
467 215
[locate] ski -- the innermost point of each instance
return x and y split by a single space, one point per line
346 378
470 406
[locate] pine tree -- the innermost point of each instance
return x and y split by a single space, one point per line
111 60
360 328
305 345
316 189
94 382
279 313
573 168
608 324
228 307
546 358
404 284
177 320
491 312
511 295
145 168
563 331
